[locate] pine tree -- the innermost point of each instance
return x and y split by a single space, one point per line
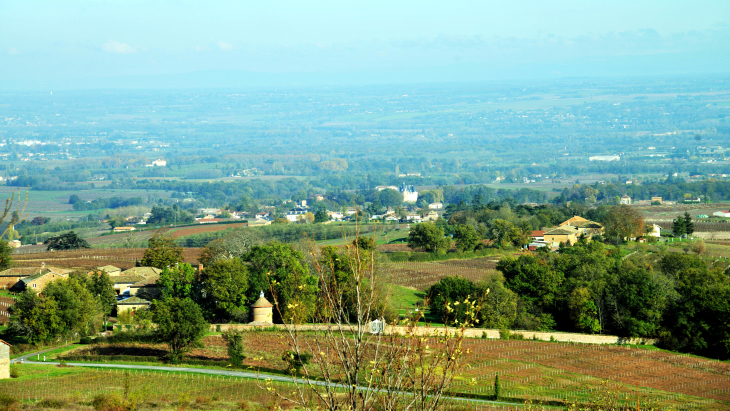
689 226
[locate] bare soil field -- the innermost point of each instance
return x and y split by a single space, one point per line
421 275
123 258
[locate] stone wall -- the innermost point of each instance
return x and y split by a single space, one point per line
473 333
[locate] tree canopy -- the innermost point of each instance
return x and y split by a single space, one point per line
66 241
162 251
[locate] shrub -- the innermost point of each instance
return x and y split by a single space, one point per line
14 373
234 340
505 334
107 402
86 340
51 403
295 361
7 402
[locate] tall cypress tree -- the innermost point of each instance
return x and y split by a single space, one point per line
689 226
678 227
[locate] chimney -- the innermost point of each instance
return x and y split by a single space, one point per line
200 269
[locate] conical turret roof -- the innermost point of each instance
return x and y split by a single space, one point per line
262 302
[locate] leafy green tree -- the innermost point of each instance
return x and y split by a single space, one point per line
583 311
445 297
79 310
321 216
366 244
180 325
66 241
638 302
697 318
6 255
101 286
533 279
466 237
35 317
679 227
224 285
280 269
689 226
390 198
500 306
162 251
177 282
623 222
425 236
504 233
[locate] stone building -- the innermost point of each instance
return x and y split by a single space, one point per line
263 311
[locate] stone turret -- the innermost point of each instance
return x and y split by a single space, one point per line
4 360
263 311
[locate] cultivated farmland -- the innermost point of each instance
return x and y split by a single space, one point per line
90 258
538 371
421 275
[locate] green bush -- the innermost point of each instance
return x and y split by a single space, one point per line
14 373
86 340
505 334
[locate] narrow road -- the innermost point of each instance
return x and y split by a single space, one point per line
241 374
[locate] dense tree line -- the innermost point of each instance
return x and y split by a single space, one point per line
679 299
100 203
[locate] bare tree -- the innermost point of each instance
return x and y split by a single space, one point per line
14 211
355 364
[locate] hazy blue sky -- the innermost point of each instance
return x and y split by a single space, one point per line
369 41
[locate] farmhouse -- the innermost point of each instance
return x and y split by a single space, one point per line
294 215
14 243
656 200
158 163
436 206
133 304
572 221
725 213
566 235
110 269
147 288
37 282
538 236
124 229
11 276
123 282
431 216
145 272
625 200
604 158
